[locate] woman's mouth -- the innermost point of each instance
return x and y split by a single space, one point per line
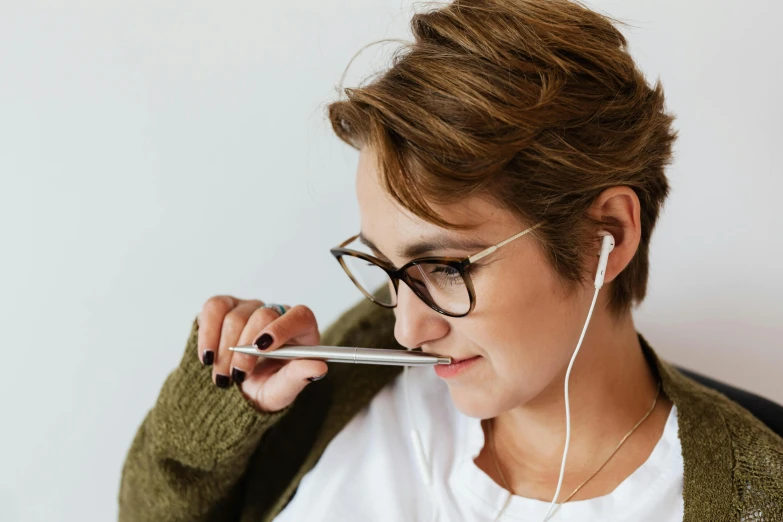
456 367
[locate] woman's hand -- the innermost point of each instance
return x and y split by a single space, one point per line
269 384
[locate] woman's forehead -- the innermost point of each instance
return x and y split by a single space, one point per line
377 205
397 235
381 215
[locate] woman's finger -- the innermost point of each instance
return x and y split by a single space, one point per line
233 325
210 323
297 326
242 364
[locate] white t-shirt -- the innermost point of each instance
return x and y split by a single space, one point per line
369 472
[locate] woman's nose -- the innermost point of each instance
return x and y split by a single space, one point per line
416 323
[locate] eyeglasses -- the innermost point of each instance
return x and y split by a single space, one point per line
443 283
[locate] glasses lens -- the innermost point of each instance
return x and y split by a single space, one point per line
442 285
371 279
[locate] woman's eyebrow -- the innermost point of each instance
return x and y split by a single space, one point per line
429 245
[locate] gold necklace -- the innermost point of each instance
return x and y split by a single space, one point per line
503 478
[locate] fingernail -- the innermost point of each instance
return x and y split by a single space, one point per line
238 375
222 381
316 378
209 357
263 342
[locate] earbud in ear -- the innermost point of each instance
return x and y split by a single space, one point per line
607 245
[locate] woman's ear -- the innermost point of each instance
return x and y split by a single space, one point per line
620 209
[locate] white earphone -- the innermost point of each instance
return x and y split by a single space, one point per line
607 245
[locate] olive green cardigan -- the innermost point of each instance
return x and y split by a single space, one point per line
205 454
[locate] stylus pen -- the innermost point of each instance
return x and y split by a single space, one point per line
348 355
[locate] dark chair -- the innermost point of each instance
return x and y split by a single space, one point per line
765 410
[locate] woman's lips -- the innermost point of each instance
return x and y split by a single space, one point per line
456 367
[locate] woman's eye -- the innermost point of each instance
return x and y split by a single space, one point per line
449 275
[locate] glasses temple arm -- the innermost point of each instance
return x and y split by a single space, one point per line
488 251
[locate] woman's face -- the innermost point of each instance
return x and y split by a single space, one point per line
523 328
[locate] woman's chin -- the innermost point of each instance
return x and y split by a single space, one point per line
473 402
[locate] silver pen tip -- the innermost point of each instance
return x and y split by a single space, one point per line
444 360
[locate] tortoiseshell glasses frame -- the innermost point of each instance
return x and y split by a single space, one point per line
461 265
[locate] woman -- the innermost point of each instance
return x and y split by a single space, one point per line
520 125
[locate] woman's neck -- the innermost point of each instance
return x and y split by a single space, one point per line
611 389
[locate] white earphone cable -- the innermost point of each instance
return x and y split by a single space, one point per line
568 409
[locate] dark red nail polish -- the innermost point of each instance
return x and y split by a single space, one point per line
238 375
316 378
222 381
209 357
264 342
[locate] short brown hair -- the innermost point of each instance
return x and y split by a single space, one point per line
534 104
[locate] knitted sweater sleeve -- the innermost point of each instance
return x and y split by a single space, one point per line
192 448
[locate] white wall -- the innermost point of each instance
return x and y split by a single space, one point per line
155 153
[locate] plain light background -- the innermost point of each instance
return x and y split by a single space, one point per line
153 154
